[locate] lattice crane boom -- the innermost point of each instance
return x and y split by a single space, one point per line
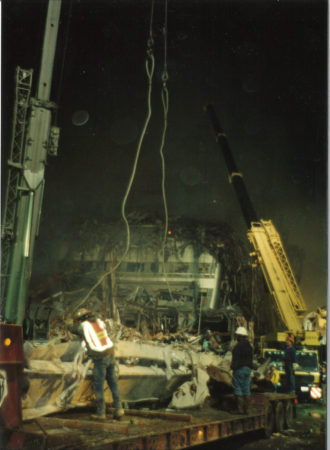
34 137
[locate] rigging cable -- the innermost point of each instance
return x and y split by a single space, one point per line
150 68
165 103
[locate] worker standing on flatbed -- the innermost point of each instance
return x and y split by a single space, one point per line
242 366
100 349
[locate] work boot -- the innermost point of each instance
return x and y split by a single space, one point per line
118 414
100 410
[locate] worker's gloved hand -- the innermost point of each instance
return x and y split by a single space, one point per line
295 366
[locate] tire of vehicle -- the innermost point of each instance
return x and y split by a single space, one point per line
279 417
269 421
288 414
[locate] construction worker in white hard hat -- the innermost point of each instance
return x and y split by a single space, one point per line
242 366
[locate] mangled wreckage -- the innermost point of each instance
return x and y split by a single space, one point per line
172 316
203 275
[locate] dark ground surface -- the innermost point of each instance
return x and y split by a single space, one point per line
308 431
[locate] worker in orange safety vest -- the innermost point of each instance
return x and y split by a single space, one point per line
100 349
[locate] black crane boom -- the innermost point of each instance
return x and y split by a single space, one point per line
235 176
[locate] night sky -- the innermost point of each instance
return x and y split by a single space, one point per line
263 64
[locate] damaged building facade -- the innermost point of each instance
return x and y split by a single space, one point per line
201 279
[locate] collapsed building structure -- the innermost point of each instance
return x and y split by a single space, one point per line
172 317
202 280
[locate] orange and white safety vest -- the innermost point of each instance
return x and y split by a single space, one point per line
96 336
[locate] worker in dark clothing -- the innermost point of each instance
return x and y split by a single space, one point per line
100 349
242 366
290 360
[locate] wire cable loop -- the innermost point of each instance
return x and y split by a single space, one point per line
150 69
165 103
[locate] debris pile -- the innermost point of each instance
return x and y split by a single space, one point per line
172 309
178 369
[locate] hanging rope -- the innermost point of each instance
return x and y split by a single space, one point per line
165 103
165 74
150 68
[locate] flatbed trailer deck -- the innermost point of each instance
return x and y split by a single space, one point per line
159 429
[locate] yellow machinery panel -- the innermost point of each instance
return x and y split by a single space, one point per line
271 256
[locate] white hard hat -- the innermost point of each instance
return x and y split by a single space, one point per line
241 331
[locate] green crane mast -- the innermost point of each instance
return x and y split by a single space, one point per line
33 138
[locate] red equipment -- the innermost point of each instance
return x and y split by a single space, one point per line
11 375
